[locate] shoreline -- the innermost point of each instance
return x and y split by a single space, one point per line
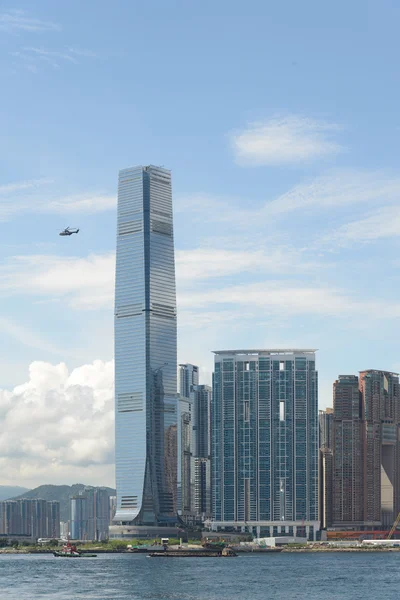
244 552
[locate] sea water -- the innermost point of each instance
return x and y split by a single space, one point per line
311 576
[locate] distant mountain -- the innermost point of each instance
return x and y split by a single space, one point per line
7 491
62 493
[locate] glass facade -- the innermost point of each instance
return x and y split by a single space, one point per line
265 436
185 458
194 474
145 349
79 517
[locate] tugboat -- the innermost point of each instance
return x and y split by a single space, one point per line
69 550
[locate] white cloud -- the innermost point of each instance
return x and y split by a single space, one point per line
82 52
18 20
50 54
287 299
32 56
206 263
39 196
27 337
88 282
58 427
287 140
81 203
383 223
22 186
85 283
337 191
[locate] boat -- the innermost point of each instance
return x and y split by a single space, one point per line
143 548
228 552
191 553
260 549
69 550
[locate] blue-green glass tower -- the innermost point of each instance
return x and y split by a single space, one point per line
265 441
145 350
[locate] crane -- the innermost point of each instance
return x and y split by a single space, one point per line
394 526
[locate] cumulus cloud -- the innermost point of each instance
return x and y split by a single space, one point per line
58 427
287 140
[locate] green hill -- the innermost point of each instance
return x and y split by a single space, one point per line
62 493
7 491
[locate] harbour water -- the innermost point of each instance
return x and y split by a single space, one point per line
319 576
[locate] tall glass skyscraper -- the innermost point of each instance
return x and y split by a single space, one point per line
145 350
265 442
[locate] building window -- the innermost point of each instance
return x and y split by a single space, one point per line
247 410
282 410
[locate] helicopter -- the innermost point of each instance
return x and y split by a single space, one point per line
69 231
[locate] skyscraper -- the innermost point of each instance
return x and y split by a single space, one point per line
348 489
366 489
79 517
145 350
185 493
90 514
326 428
325 467
265 442
53 519
202 451
202 419
188 378
380 403
195 403
30 517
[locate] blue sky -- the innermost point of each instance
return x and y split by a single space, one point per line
280 124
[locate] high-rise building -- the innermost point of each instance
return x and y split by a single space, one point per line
25 512
97 512
11 519
347 452
145 350
195 403
202 421
53 519
39 518
30 517
380 403
79 517
202 489
188 378
265 442
90 514
326 428
185 459
112 508
325 467
325 487
202 452
366 452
